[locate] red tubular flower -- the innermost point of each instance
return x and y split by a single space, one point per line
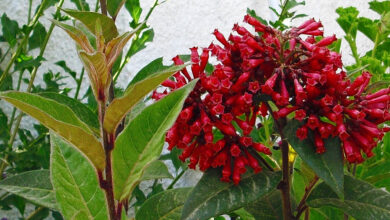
302 133
309 81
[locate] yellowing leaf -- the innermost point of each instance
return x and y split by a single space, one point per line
62 120
77 35
115 46
97 70
89 19
118 108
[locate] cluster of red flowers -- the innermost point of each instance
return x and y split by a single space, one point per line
299 75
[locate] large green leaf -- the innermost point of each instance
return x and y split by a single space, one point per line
212 197
268 207
75 183
362 200
328 166
118 108
156 170
61 119
141 141
166 205
33 185
89 19
82 111
148 70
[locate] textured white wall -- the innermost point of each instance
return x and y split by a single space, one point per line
181 24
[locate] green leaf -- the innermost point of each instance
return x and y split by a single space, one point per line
82 111
62 120
99 75
268 207
243 214
134 8
115 46
380 7
33 185
328 166
148 70
75 183
141 141
368 27
166 205
118 108
212 197
89 19
139 43
37 37
114 6
253 14
77 35
362 200
10 29
27 62
348 20
63 65
81 5
156 170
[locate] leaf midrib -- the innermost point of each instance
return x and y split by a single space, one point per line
75 184
145 148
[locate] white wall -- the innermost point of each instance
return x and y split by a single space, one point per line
181 24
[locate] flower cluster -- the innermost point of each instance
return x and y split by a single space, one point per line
299 75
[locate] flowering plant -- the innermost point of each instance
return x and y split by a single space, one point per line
269 114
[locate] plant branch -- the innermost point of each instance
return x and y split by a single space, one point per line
177 177
106 181
35 213
103 6
79 81
284 185
302 204
5 54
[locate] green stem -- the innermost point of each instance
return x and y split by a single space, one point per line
5 54
14 109
177 178
79 81
24 40
352 45
29 11
35 213
97 6
376 44
81 5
